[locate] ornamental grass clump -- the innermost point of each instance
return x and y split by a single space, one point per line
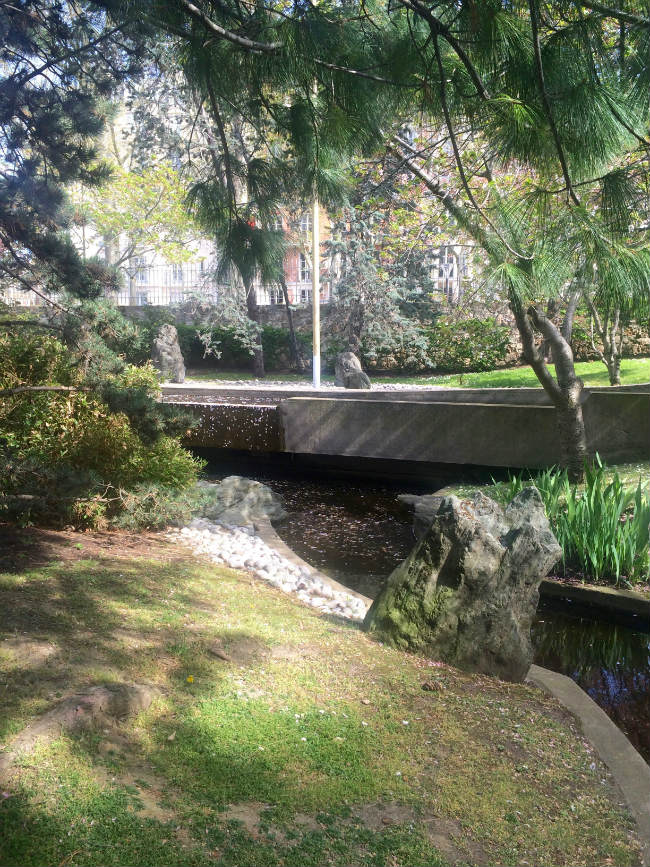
603 526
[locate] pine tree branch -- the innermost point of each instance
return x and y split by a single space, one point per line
532 5
230 180
55 61
360 74
458 158
439 29
242 41
23 389
620 14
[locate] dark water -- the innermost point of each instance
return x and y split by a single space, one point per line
359 532
608 656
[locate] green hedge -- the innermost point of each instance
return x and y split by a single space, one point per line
470 345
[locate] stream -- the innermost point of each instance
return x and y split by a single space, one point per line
358 532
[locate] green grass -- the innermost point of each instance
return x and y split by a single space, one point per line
312 745
594 373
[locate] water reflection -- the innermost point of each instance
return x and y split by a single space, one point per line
609 660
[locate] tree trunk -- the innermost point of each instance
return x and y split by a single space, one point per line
254 316
552 307
614 370
295 355
570 315
611 339
565 393
355 328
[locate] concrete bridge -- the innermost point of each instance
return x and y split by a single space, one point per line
483 427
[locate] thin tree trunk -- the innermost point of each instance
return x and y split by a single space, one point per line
570 315
355 328
610 338
254 316
295 354
552 307
565 392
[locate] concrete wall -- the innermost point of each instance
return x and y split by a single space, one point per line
436 431
244 428
618 424
482 434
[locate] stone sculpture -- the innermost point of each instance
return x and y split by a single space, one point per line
348 372
166 354
468 591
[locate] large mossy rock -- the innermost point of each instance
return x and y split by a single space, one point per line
468 591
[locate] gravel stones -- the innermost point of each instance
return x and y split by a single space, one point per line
229 537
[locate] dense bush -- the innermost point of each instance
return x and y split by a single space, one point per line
468 345
68 454
603 527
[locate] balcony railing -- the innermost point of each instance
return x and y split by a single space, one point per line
168 285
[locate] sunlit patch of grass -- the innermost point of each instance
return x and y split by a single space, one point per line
305 719
594 373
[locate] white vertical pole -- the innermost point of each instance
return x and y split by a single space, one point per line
315 291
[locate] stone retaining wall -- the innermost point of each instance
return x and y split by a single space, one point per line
437 430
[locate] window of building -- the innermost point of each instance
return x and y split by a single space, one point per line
141 299
304 270
305 295
177 273
305 223
141 271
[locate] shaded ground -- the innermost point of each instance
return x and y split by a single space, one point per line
276 737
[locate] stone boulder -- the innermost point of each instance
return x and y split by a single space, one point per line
240 502
468 591
348 373
425 507
166 354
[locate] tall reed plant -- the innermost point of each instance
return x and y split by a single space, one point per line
602 526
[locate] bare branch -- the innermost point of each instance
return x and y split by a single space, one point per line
241 41
532 5
611 12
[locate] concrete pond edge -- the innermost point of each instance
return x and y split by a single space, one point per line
609 598
630 771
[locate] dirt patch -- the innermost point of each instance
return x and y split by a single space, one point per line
240 649
31 547
95 706
248 814
28 652
446 835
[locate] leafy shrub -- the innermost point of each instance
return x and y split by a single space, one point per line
468 345
388 352
603 528
64 451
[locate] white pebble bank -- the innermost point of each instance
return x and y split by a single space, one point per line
240 548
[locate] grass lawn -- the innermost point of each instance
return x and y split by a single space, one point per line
280 738
633 371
